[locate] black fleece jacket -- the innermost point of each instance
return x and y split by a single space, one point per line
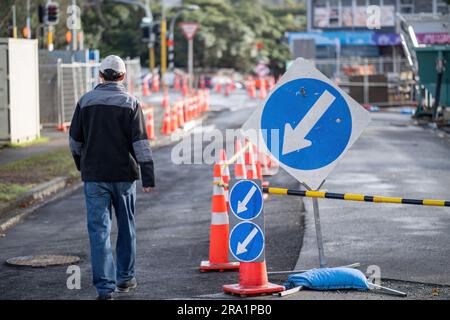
108 138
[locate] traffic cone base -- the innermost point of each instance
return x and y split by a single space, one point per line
243 291
206 266
252 281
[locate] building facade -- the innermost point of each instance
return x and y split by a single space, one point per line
348 28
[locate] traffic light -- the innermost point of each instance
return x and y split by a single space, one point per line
156 28
52 10
145 28
41 13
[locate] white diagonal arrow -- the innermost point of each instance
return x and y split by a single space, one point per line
242 205
294 139
242 247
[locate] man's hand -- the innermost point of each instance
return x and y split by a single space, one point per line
147 189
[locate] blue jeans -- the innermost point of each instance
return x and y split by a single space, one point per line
100 197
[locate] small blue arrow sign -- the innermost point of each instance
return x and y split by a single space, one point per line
246 200
246 241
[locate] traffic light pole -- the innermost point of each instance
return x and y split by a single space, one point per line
163 44
74 46
50 38
28 23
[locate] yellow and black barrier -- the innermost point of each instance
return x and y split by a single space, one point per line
356 197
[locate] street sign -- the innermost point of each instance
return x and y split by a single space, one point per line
307 123
246 241
246 200
189 29
246 221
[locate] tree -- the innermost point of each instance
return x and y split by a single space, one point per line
227 38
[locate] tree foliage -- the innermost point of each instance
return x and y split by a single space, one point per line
227 38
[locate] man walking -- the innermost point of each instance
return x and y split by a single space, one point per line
108 140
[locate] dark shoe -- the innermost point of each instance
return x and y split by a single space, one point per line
105 296
127 285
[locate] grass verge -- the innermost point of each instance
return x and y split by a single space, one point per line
20 176
29 143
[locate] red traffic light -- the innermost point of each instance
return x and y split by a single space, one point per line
52 13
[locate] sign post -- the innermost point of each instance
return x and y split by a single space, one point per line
307 124
189 29
247 241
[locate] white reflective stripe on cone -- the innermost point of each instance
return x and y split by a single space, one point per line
218 189
219 218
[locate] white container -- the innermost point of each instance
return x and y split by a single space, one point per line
19 90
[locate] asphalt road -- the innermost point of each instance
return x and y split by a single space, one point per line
173 233
393 157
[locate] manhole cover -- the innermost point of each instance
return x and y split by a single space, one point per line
42 260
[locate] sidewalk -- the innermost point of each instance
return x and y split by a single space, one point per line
57 139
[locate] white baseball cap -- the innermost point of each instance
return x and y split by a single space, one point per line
114 63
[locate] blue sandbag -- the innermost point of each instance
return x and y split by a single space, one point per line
329 279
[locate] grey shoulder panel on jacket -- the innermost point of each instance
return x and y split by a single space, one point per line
108 98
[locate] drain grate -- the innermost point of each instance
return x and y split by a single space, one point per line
42 260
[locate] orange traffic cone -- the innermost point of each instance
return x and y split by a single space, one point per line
150 125
197 105
165 101
206 96
176 83
145 87
262 89
218 241
259 175
155 83
173 118
250 166
239 166
166 122
253 281
227 90
271 83
252 88
180 113
218 88
184 88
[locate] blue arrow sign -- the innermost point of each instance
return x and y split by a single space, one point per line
246 200
314 123
246 241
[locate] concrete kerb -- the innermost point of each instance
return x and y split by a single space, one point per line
43 193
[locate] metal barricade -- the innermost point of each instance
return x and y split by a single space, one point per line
378 81
65 83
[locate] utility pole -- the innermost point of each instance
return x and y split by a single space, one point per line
14 21
149 16
163 42
28 23
171 43
74 26
151 43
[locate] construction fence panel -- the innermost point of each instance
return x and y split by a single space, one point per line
62 85
375 81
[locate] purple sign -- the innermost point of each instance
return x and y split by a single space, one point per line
433 38
386 39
